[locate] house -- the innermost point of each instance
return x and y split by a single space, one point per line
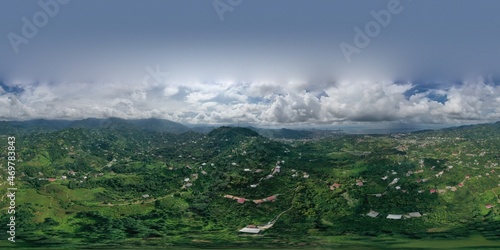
488 206
241 200
415 214
253 185
51 179
460 184
145 196
335 186
258 201
394 216
189 184
271 198
359 183
432 191
186 179
64 177
249 230
228 196
398 187
385 178
247 170
306 175
439 174
372 214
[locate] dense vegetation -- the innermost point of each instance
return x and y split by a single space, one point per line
116 184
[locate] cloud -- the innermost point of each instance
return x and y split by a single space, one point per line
262 103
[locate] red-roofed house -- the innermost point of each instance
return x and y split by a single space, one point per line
241 200
271 198
433 191
460 184
334 186
52 179
488 206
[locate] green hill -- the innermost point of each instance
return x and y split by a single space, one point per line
114 184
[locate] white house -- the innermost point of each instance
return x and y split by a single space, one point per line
250 230
415 214
394 216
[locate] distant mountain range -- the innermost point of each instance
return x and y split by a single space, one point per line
42 125
152 125
159 125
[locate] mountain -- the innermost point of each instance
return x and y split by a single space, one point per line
42 125
226 132
6 128
160 125
109 182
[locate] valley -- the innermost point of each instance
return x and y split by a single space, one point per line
113 184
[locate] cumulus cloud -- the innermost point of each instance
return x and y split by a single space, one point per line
262 103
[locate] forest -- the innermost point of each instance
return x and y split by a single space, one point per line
119 185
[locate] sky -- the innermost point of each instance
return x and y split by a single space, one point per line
257 62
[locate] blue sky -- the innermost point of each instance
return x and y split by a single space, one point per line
261 62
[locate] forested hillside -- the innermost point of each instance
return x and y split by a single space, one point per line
116 184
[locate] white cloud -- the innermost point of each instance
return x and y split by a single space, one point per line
255 103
